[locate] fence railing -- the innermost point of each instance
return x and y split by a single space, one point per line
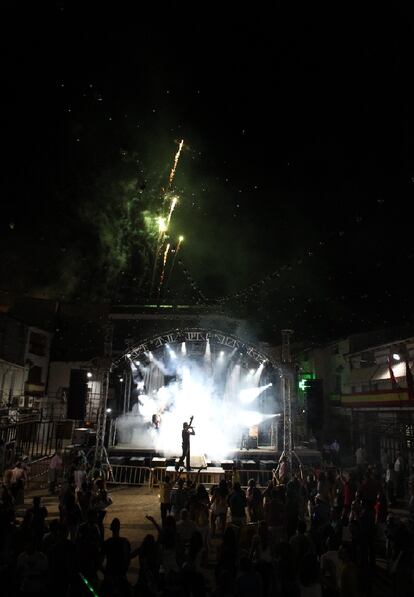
39 470
130 475
36 437
123 474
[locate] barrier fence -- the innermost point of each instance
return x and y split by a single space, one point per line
152 477
39 470
36 437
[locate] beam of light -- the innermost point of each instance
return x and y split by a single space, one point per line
258 373
164 261
177 157
207 353
249 395
183 349
248 418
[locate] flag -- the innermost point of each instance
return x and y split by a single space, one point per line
409 378
394 383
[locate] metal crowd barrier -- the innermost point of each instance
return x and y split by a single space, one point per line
152 477
130 475
39 470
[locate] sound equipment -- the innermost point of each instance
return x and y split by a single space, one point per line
78 391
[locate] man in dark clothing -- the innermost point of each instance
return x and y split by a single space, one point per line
117 552
237 504
186 432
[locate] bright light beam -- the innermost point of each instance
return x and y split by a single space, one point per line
250 394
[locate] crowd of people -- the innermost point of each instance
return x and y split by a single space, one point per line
309 534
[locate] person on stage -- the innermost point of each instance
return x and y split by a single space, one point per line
186 432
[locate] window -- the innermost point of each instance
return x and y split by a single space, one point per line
37 344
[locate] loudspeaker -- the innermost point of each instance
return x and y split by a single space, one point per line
314 404
78 390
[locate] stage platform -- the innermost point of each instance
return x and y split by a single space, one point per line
208 476
125 452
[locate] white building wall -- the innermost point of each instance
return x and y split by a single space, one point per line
12 380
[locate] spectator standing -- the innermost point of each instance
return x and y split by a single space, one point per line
39 527
18 480
360 457
335 452
349 575
390 484
399 470
55 471
32 570
283 470
219 507
116 552
237 504
165 498
254 502
178 499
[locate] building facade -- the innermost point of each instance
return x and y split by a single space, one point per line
367 392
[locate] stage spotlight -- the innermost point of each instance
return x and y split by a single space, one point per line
109 410
137 363
128 356
183 348
396 357
89 374
121 379
173 355
221 354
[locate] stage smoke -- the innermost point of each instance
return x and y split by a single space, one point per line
214 389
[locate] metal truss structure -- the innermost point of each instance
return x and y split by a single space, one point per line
194 335
202 335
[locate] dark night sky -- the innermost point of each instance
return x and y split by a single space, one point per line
297 174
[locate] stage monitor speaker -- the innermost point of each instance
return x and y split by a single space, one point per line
78 390
314 404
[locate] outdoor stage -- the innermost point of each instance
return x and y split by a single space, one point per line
264 456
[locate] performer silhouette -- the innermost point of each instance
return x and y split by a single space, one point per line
186 432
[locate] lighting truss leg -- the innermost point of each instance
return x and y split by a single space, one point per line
287 417
101 422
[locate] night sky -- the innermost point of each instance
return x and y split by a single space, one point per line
295 181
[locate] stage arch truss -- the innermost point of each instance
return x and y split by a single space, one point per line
197 335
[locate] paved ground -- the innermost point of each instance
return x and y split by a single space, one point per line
131 505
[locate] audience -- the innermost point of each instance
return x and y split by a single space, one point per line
270 545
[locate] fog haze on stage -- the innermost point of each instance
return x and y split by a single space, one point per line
216 387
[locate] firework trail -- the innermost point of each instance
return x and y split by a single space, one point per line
163 223
180 240
164 261
177 157
174 201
